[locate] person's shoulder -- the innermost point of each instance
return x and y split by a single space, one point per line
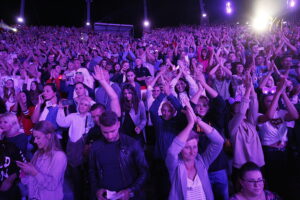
59 155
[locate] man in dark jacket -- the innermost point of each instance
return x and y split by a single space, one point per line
117 163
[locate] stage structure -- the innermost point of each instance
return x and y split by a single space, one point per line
107 27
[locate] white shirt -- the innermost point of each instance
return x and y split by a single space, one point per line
194 189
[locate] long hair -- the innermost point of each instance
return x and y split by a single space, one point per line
187 87
46 128
7 93
134 103
13 120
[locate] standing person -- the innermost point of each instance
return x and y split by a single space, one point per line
117 163
9 171
188 170
133 113
44 175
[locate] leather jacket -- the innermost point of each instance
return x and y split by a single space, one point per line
132 163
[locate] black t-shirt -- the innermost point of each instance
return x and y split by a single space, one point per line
9 154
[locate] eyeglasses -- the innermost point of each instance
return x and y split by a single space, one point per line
259 182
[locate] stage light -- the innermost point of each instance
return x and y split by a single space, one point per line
204 15
238 23
14 29
20 20
88 23
292 3
228 8
146 23
262 21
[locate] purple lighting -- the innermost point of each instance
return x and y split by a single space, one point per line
228 8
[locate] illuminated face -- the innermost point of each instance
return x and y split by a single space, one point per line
84 106
125 66
96 115
130 76
253 183
239 68
48 93
190 150
9 83
79 78
180 86
268 101
33 86
117 67
111 133
80 90
138 62
41 139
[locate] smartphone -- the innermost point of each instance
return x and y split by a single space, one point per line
67 102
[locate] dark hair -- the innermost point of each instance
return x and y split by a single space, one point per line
187 88
108 118
52 85
134 103
98 105
2 106
234 66
249 166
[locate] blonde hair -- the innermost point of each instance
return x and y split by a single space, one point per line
13 121
85 98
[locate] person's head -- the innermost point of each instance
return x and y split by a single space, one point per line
109 125
45 137
202 106
167 110
182 86
117 67
267 101
228 65
25 99
286 62
9 84
231 56
204 53
84 104
220 74
96 111
130 76
251 179
79 77
80 89
156 91
129 98
125 66
238 68
49 91
138 62
9 124
270 82
34 86
190 150
259 60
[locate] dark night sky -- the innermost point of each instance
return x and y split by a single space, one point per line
73 12
160 12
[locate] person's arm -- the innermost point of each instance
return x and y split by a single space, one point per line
192 83
213 93
115 104
143 117
213 70
178 144
8 182
292 111
62 120
216 142
265 80
37 111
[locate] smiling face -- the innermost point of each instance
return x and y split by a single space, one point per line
41 139
180 86
23 97
253 183
167 111
202 107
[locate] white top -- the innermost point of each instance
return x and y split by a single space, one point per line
79 124
275 130
48 183
194 189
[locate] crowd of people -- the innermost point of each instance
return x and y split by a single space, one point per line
187 113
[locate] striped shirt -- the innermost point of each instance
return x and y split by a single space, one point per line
194 189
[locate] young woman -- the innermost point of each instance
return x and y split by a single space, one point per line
34 92
133 113
44 175
9 93
252 184
24 109
130 79
47 107
188 170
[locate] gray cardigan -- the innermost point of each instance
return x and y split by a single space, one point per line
139 119
177 170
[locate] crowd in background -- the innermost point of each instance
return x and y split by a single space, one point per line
181 113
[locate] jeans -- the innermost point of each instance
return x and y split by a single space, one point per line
219 184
